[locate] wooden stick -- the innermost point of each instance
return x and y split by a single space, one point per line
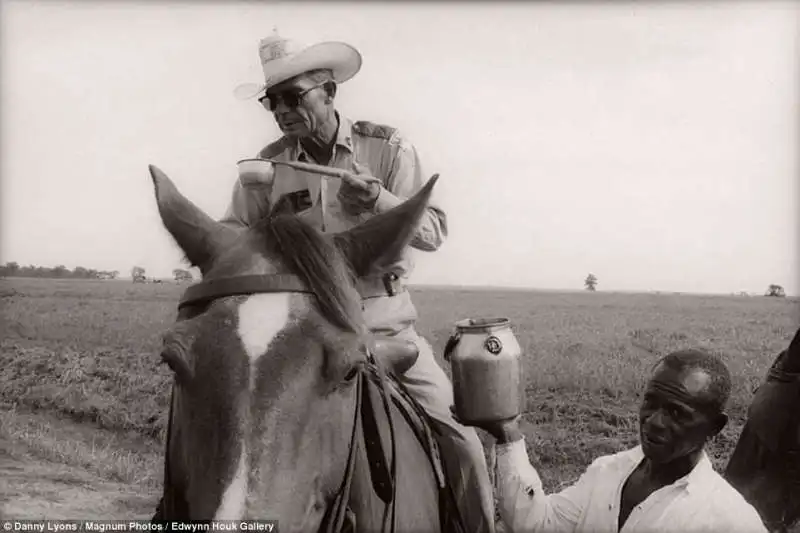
308 167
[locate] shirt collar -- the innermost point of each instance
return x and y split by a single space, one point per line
344 138
344 135
694 480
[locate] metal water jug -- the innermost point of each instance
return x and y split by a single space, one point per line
487 374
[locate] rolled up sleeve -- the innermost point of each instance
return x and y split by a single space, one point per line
523 504
405 179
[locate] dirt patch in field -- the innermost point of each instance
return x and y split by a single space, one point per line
36 486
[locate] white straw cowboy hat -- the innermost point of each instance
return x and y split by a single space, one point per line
283 58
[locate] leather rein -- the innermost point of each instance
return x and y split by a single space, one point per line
338 517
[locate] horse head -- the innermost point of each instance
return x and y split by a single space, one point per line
263 398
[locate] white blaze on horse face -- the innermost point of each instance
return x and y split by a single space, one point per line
232 506
261 318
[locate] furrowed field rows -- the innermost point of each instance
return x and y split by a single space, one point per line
89 351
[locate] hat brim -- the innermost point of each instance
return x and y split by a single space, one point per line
341 59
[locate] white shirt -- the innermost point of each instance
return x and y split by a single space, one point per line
701 501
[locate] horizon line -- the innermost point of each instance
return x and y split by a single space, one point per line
483 287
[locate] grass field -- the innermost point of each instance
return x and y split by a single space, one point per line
87 351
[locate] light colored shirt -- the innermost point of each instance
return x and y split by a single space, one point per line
388 156
701 501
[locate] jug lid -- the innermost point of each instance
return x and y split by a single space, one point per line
483 324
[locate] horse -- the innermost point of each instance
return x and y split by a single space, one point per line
280 407
765 464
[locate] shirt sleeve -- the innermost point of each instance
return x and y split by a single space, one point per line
523 504
405 179
247 206
737 516
750 523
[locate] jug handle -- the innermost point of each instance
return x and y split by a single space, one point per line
452 342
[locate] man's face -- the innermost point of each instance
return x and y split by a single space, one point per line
677 415
298 104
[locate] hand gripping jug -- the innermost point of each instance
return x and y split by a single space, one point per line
485 359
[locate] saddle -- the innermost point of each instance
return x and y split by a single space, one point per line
375 381
397 355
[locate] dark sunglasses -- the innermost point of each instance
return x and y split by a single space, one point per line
290 97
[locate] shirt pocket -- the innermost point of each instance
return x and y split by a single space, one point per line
300 200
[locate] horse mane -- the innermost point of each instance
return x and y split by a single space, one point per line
318 262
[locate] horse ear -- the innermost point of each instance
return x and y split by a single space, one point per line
200 237
382 239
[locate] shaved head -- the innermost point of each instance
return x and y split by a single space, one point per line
706 375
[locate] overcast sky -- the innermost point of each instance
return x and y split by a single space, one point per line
655 144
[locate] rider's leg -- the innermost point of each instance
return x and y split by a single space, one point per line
462 450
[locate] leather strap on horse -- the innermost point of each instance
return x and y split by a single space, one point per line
382 481
385 396
206 290
242 285
782 376
333 522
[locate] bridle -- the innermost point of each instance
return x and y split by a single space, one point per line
205 291
338 518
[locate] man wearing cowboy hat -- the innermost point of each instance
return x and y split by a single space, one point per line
383 170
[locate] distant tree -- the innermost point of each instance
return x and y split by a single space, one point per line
775 290
590 282
108 274
181 275
13 269
137 273
27 271
9 269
